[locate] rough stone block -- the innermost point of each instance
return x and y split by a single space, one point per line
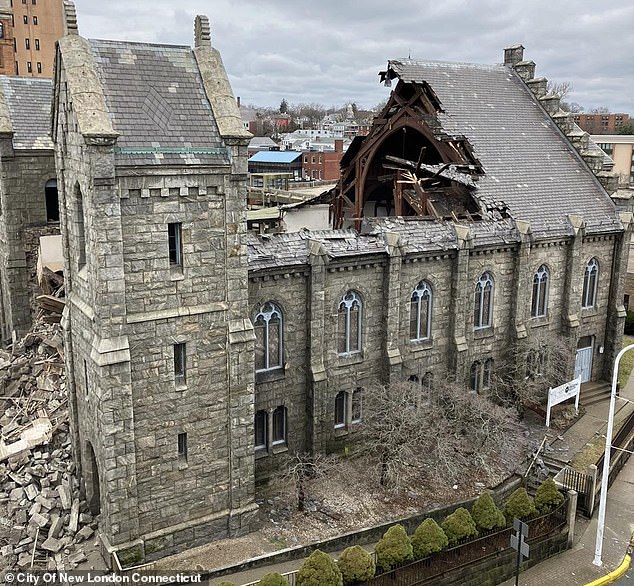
52 544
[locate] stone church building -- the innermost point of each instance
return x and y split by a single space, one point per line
198 354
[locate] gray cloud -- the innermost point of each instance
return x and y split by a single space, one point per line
331 51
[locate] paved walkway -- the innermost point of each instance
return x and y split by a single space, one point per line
574 567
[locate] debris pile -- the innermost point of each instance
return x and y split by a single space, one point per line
44 523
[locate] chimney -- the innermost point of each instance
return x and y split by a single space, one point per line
70 18
513 55
338 145
238 101
202 37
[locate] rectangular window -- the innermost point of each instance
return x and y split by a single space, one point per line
192 191
182 446
37 44
261 430
174 237
29 67
341 408
25 19
180 363
279 425
39 67
86 376
357 405
27 44
35 20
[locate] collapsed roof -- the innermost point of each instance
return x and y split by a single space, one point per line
465 142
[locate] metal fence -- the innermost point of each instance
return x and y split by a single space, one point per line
486 545
427 570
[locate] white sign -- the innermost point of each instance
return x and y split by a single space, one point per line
563 393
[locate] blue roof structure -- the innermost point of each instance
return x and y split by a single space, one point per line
275 157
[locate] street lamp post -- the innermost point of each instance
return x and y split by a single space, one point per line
606 460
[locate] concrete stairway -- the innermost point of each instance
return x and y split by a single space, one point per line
594 392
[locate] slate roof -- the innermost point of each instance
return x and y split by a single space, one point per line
529 164
29 103
291 249
157 103
275 157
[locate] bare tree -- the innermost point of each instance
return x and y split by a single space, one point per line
533 365
302 467
411 432
561 88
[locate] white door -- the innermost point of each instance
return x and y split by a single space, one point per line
583 364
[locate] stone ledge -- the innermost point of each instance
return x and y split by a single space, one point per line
133 318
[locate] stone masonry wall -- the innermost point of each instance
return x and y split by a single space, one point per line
24 176
311 403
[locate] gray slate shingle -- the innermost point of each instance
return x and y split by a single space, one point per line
528 162
156 101
29 103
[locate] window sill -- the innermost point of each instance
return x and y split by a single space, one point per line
487 332
176 273
589 311
542 320
418 345
261 453
180 386
182 464
266 376
279 448
341 431
345 359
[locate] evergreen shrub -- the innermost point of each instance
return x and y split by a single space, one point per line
459 525
547 496
356 565
428 538
486 514
394 548
319 570
519 505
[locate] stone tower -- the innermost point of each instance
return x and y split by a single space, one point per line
151 159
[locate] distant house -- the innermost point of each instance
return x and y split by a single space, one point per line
262 143
277 162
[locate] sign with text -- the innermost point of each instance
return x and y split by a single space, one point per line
563 393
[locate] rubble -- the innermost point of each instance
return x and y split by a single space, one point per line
44 521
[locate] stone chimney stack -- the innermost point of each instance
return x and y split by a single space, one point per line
513 55
202 36
70 18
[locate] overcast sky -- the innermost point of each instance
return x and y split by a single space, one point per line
330 52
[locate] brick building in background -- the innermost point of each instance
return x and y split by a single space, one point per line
323 165
30 29
601 123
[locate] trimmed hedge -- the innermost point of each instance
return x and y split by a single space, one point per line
394 548
459 525
356 565
519 505
485 513
319 570
428 538
273 579
547 496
